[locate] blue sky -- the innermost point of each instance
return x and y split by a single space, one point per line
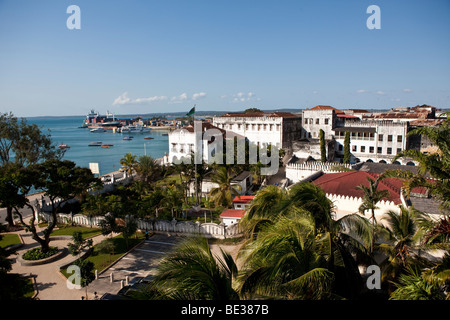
166 56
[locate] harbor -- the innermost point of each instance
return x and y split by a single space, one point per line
103 147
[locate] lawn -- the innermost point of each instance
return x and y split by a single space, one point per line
102 260
9 240
69 230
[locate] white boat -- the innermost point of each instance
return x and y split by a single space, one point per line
95 144
134 129
98 130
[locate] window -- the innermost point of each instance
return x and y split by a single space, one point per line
380 137
389 150
399 138
259 127
390 138
239 126
371 149
317 121
265 127
379 150
399 150
354 148
246 127
363 149
326 121
306 120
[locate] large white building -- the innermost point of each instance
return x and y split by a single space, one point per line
208 140
263 128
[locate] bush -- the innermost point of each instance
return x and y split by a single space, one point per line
36 254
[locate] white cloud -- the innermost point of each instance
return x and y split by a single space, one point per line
124 99
243 97
381 93
361 91
179 99
407 90
199 95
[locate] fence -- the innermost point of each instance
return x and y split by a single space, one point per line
188 228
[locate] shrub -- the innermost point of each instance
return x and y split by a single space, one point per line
36 254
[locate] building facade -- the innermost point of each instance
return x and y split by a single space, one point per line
263 128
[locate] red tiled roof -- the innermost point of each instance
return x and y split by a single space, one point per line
348 116
232 213
259 114
326 108
345 183
243 199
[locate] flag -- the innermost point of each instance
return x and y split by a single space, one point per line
190 113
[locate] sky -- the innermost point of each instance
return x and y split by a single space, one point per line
137 57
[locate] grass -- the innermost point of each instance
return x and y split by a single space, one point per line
69 230
102 260
9 240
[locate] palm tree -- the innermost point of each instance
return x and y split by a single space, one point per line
345 237
147 168
436 163
412 285
223 194
129 163
403 244
193 272
264 208
371 196
286 261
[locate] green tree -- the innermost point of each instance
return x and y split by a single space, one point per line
78 244
347 154
60 181
286 261
437 164
223 194
412 285
129 162
403 244
323 149
148 169
193 272
22 144
371 196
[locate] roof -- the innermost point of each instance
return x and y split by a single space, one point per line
356 129
259 114
345 183
205 126
243 175
426 122
232 213
243 199
348 116
326 108
373 167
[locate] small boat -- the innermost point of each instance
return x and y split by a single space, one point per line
149 138
127 138
165 134
95 144
106 146
98 130
63 146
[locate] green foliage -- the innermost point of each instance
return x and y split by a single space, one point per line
193 272
86 271
347 154
79 243
323 149
37 254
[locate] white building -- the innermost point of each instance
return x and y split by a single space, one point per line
263 128
183 142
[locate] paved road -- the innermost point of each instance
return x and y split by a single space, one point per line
139 262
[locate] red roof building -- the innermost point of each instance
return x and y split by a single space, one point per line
345 183
230 216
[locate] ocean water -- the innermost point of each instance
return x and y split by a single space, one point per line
66 130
